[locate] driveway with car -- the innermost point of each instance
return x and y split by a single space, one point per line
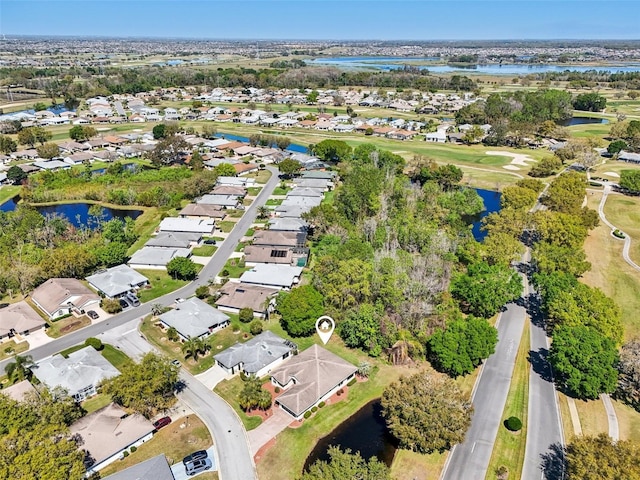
179 471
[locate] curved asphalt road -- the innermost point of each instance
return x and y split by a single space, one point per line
235 461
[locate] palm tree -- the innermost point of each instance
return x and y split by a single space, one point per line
18 370
193 347
156 309
264 211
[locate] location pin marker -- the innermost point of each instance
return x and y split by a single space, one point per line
325 327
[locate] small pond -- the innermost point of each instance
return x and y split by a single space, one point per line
582 121
365 432
76 213
491 201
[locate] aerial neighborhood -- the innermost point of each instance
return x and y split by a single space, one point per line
318 259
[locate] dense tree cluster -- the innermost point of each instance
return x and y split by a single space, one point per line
426 412
590 102
628 131
344 464
630 180
629 374
598 458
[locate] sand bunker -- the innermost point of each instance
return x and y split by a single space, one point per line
516 158
510 167
611 174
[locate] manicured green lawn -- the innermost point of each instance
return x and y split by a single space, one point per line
204 250
509 447
281 191
234 269
116 357
250 232
230 391
8 192
11 348
273 202
173 441
146 225
226 226
67 325
161 284
253 191
96 402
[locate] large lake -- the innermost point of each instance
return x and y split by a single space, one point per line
391 63
77 213
365 432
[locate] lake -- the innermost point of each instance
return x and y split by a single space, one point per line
76 213
391 63
293 147
491 201
582 121
365 432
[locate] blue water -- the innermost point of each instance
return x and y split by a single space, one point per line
293 147
77 213
127 166
583 121
491 201
381 63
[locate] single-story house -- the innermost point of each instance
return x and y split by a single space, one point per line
256 357
107 433
73 146
60 296
192 225
254 254
200 210
276 276
194 318
156 468
20 391
78 158
51 165
306 182
629 157
236 296
274 238
309 378
79 374
236 181
245 168
174 240
19 319
116 281
224 201
306 192
436 137
156 258
229 190
288 225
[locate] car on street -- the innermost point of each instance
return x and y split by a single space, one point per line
199 455
197 466
92 314
161 422
123 303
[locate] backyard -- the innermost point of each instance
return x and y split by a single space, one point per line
161 284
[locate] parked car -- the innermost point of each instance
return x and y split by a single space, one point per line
92 314
161 422
197 466
209 241
199 455
123 303
133 300
176 363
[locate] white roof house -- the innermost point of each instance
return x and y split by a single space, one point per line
257 356
236 181
227 201
277 276
206 226
79 374
116 281
194 318
156 257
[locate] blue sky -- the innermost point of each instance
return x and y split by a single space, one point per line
325 19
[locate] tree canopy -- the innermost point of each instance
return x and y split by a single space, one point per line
462 345
182 268
345 464
600 458
629 374
146 387
332 150
426 412
590 102
630 179
583 361
300 308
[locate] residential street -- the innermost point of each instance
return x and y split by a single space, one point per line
470 459
233 457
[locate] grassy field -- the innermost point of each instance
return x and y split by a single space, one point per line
510 446
565 417
624 213
7 192
67 325
204 250
173 441
226 225
408 465
161 284
593 417
628 421
96 402
117 358
233 268
612 274
11 348
146 225
230 390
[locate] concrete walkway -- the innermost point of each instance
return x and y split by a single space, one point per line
627 238
575 418
614 430
259 437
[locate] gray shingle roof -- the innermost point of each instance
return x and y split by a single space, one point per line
193 318
157 256
282 276
117 280
155 468
173 239
255 354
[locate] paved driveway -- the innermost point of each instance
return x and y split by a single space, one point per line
258 437
180 473
38 338
127 338
213 376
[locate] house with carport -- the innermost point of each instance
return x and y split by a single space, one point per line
193 318
61 296
116 281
